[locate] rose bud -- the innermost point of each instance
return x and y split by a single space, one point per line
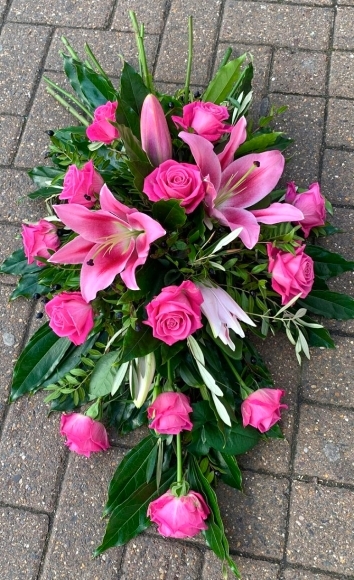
83 434
70 316
261 409
179 517
170 413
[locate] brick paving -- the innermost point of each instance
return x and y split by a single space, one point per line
294 520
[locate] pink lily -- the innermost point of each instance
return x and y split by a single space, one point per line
155 135
233 186
113 240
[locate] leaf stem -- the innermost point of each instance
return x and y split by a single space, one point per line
139 36
68 107
68 95
69 48
179 459
190 60
95 61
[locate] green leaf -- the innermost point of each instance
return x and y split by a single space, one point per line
329 304
233 354
129 519
27 286
169 214
18 265
328 264
103 375
319 337
37 361
132 88
258 144
43 175
44 192
137 344
223 82
91 87
230 472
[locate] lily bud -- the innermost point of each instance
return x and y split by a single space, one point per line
155 136
141 375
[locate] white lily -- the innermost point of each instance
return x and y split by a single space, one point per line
141 376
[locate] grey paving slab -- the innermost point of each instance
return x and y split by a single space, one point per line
10 128
15 206
249 569
341 80
109 47
343 31
296 574
303 122
23 48
9 242
22 538
274 454
255 520
328 376
32 453
299 72
276 24
78 528
340 123
336 182
152 558
324 444
172 60
77 13
151 14
45 114
320 528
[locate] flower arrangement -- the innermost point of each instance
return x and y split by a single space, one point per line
166 246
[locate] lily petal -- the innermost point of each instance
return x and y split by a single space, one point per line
277 213
239 218
237 137
204 156
73 252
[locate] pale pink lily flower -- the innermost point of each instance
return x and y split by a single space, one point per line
155 135
113 240
233 186
223 313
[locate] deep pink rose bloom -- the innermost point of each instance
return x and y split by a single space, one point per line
83 434
291 273
101 129
179 517
261 409
173 180
205 118
70 316
80 185
170 415
311 203
38 239
175 313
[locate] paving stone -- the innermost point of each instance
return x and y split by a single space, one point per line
343 31
303 122
255 520
341 80
295 574
274 454
299 72
340 123
172 60
9 134
31 452
249 569
22 538
78 528
10 240
76 13
336 182
13 321
15 206
320 528
150 14
18 73
146 557
328 376
108 46
130 439
46 113
324 444
278 25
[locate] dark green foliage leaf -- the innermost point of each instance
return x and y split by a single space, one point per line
69 361
234 354
329 304
123 415
18 265
138 343
224 81
260 143
37 361
328 264
44 192
132 88
150 279
169 214
138 162
229 470
43 175
27 286
318 337
103 375
92 88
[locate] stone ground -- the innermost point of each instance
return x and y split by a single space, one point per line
294 520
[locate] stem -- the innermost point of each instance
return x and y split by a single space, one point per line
226 57
234 371
141 50
94 60
68 107
190 59
179 458
68 95
69 48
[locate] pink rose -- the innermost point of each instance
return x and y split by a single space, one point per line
205 118
311 203
179 517
173 180
38 239
170 415
70 316
80 185
83 434
261 409
101 128
175 313
291 273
